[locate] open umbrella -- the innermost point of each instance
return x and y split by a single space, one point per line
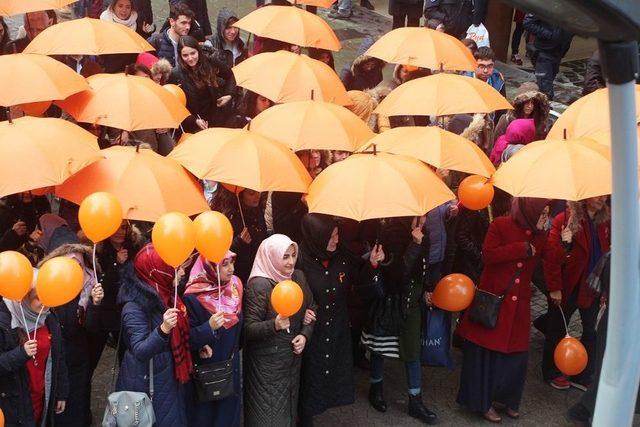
442 95
367 186
16 7
242 158
146 184
423 47
87 36
587 115
26 78
291 25
125 102
319 3
37 153
436 147
284 77
557 169
306 125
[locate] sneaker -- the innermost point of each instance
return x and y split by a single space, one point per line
560 383
336 14
579 384
515 58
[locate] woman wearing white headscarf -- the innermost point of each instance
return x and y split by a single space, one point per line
273 344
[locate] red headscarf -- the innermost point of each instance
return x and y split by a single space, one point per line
160 276
526 211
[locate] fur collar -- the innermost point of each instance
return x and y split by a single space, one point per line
577 213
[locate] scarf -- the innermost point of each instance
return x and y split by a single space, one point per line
30 316
89 280
316 232
49 223
268 262
159 276
525 211
203 282
130 22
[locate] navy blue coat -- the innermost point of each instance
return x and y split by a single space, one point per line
225 343
141 318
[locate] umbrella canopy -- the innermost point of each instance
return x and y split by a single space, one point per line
557 169
125 102
26 78
242 158
87 36
367 186
291 25
285 77
319 3
436 147
146 184
16 7
306 125
423 47
587 115
442 95
36 153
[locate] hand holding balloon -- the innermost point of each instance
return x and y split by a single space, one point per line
169 320
216 320
30 347
97 294
282 323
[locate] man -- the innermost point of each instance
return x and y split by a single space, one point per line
199 8
166 42
552 43
34 24
486 71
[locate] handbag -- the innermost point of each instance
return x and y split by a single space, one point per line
485 307
214 381
436 338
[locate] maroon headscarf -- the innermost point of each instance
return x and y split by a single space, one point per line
526 211
156 273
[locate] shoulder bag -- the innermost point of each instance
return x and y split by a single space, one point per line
485 308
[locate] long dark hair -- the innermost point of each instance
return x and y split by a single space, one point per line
204 73
540 114
5 37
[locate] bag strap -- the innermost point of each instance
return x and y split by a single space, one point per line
115 362
515 277
151 387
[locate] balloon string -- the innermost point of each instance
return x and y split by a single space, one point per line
95 273
175 288
24 319
37 320
219 288
564 319
244 225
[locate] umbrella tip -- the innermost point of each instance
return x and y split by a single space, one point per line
375 150
564 134
249 125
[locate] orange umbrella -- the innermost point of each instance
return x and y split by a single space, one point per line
284 77
36 153
125 102
242 158
587 115
442 95
146 184
306 125
319 3
423 47
292 25
26 78
436 147
16 7
366 186
87 36
557 169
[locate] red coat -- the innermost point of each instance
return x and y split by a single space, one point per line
505 250
563 270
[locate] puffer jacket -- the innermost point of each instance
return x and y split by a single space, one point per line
164 47
141 318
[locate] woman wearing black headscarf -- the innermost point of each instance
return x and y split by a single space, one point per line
327 378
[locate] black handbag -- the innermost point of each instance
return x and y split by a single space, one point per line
214 381
485 308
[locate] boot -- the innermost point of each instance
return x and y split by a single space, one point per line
376 398
367 4
419 411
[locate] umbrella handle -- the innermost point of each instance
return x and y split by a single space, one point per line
240 207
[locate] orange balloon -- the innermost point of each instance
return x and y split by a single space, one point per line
16 275
475 192
453 292
1 418
35 109
235 189
214 234
100 216
286 298
570 356
174 238
177 91
59 281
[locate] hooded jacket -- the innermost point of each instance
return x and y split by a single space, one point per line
355 77
218 43
541 103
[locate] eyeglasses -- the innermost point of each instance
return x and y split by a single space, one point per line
486 66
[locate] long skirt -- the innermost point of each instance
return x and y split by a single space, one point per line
489 376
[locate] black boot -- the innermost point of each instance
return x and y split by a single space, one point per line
367 4
419 411
376 398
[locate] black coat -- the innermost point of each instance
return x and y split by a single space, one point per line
15 397
551 40
469 230
327 377
405 7
13 210
287 210
246 252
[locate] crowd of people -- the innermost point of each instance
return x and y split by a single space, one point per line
359 280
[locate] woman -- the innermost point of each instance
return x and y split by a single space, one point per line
323 55
215 316
156 337
519 132
273 344
19 215
405 13
529 103
251 104
327 377
578 238
494 364
4 36
33 375
365 72
197 75
226 44
468 234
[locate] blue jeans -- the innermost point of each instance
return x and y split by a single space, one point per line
412 369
